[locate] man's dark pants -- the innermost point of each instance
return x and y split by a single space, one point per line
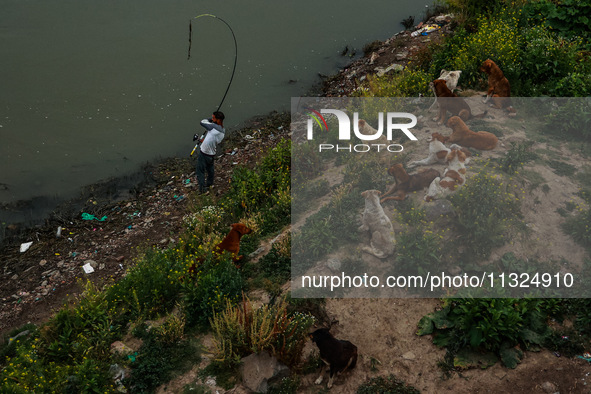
204 165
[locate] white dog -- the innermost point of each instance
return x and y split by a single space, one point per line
454 177
438 151
451 80
379 225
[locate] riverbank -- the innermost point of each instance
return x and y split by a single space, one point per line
44 277
40 280
384 330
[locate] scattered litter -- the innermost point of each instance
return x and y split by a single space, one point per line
586 357
25 246
59 232
87 216
88 268
425 30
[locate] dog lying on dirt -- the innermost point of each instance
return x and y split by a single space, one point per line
462 135
449 101
407 183
379 225
453 177
339 355
451 80
437 151
498 87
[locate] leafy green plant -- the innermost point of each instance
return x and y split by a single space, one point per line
215 283
276 265
571 118
417 251
80 332
494 325
516 157
150 287
407 83
157 362
486 208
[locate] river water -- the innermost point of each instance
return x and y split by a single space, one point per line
91 90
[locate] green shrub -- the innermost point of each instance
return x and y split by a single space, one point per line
215 283
516 157
408 83
497 39
157 362
334 225
417 251
150 287
486 209
77 333
276 265
570 18
494 325
571 118
241 330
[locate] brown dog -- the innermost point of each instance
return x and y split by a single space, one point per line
231 242
498 86
449 101
407 183
462 135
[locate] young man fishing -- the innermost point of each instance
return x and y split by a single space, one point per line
214 134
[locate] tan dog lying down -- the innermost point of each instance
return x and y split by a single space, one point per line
453 177
378 224
437 151
462 135
407 183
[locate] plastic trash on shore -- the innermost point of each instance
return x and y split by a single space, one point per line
88 268
25 246
425 30
87 216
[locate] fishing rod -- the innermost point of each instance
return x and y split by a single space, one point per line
195 137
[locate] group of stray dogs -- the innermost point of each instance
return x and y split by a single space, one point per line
374 219
341 355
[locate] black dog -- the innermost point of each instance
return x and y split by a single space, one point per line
337 354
